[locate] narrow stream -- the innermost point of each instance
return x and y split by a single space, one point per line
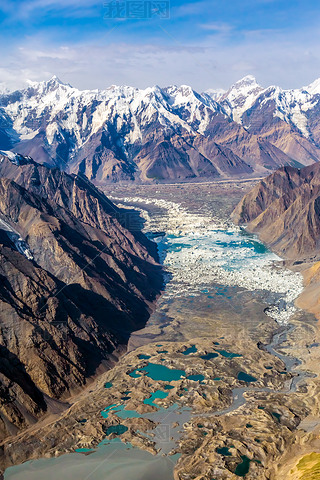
290 362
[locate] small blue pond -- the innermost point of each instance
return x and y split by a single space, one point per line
116 429
224 451
135 374
159 372
196 378
209 356
192 349
119 411
245 377
156 394
243 467
226 354
84 450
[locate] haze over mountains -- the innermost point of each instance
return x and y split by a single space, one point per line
163 134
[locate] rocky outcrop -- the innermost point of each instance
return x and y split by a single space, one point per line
75 282
284 209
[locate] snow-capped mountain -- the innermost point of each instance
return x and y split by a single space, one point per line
240 97
289 105
172 133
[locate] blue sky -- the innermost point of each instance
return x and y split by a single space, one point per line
206 44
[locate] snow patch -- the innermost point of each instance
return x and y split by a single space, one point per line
16 158
21 246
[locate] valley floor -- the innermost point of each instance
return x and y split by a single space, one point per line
222 382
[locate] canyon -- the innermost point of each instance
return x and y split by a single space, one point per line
221 382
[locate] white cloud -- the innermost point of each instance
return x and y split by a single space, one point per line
35 8
216 27
272 57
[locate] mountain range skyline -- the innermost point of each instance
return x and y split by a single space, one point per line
311 87
128 134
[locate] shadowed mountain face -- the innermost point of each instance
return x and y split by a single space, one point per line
162 134
284 209
75 282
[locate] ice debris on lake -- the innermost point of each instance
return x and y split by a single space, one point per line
200 251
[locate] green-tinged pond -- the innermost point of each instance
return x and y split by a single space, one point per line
154 396
159 372
245 377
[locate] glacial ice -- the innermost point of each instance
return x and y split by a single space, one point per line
200 250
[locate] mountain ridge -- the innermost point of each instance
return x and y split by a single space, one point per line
125 134
284 210
75 282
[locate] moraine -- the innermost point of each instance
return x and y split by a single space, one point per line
213 268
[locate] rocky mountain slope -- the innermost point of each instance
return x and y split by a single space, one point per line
285 118
284 209
75 282
162 134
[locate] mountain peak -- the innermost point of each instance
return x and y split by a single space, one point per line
48 85
54 80
241 96
314 87
16 158
215 93
181 93
248 80
244 87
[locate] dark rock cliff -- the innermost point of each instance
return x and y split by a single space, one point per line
74 283
284 209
